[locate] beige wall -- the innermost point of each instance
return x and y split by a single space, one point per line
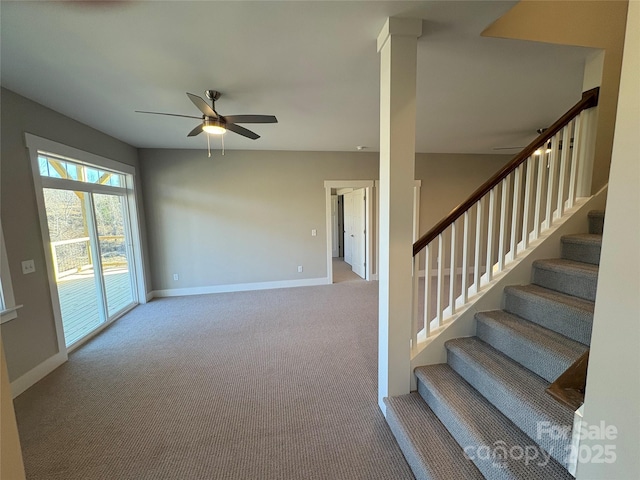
613 380
449 179
585 23
246 217
31 339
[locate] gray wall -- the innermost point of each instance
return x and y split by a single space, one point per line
31 339
247 216
243 217
449 179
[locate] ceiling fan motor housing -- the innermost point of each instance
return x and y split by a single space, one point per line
212 94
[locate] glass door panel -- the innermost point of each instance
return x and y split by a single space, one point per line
110 216
69 220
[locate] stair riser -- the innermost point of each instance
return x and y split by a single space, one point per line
596 224
581 286
581 252
520 349
408 450
573 323
504 399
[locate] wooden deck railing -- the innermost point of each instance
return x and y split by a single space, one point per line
480 237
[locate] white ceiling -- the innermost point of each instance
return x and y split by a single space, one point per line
312 64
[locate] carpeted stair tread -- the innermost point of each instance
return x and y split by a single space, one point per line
543 351
571 316
567 276
515 391
430 450
582 247
596 221
482 430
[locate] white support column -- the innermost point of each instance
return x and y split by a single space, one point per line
398 48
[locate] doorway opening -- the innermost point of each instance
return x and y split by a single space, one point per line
349 208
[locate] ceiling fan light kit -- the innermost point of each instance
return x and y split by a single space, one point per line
216 124
214 127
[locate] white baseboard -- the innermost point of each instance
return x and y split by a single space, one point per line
240 287
149 296
36 374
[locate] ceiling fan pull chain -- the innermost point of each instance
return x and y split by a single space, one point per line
222 143
208 145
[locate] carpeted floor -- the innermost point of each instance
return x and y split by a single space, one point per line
342 271
276 384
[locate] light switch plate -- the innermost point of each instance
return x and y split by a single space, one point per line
314 232
28 266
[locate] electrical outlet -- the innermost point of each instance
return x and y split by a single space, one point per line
176 276
314 232
28 266
299 268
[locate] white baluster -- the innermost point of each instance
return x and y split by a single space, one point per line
552 175
416 279
564 167
515 214
465 258
440 280
476 263
452 270
427 290
540 192
526 204
490 228
574 162
502 233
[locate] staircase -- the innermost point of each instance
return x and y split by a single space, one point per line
485 413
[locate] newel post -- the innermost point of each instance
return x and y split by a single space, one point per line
398 47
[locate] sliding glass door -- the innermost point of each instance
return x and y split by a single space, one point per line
114 258
90 238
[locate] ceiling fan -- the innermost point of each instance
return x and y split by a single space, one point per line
216 124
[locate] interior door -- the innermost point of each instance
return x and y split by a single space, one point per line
335 233
358 243
348 227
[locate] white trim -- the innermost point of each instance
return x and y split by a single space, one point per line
149 296
240 287
56 149
75 185
37 373
9 314
46 244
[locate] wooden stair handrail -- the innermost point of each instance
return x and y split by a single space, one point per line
589 100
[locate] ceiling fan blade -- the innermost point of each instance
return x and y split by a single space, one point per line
242 131
251 119
169 114
195 131
202 105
